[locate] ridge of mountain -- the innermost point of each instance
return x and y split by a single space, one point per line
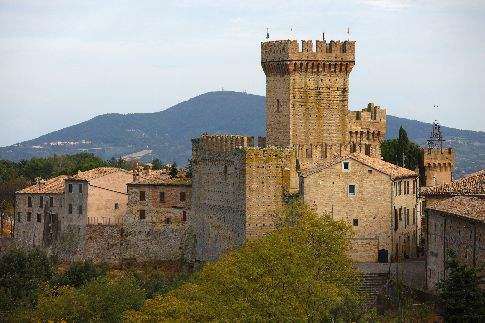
166 134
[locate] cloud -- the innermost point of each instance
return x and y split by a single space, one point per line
392 5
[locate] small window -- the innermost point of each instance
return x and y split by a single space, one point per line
70 188
183 196
351 189
19 217
142 196
41 201
356 222
168 220
51 201
117 206
80 188
80 209
278 106
369 171
29 216
346 166
39 217
162 197
184 216
29 201
70 208
309 153
141 214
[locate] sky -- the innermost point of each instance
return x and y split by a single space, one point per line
64 62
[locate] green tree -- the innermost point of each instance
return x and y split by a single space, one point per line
301 271
79 273
21 273
401 151
156 164
103 299
173 171
459 292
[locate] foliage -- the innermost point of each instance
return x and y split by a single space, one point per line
459 292
121 163
21 273
102 299
173 171
401 151
300 271
156 164
79 273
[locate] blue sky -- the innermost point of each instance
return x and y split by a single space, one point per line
63 62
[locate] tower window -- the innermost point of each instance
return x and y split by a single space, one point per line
355 222
29 201
346 166
141 214
182 196
69 188
162 197
29 216
39 217
70 209
142 196
278 106
117 206
351 189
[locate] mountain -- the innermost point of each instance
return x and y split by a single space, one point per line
166 134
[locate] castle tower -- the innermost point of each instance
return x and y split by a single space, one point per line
307 100
438 162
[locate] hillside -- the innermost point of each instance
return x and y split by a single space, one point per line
166 134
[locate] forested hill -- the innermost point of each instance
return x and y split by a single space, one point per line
166 134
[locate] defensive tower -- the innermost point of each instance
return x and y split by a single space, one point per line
307 100
438 162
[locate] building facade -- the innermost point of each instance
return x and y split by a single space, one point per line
376 198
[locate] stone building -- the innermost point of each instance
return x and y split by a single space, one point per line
38 209
49 209
239 188
307 101
455 221
378 199
156 221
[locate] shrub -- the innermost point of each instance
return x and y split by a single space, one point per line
80 273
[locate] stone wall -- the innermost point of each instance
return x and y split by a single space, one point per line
368 211
445 232
438 166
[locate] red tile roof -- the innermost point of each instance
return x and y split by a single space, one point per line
472 207
473 184
96 173
51 186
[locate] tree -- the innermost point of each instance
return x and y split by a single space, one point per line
156 164
173 171
21 274
460 293
301 271
401 151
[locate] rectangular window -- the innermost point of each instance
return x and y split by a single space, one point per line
117 206
182 196
142 196
70 208
162 197
41 201
29 201
351 190
414 215
356 222
19 217
400 214
184 216
414 186
70 188
141 214
51 201
80 188
345 166
80 209
39 217
168 220
396 221
29 216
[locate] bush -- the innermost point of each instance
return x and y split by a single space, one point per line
79 273
102 299
21 273
302 271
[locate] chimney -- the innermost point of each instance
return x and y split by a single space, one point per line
136 175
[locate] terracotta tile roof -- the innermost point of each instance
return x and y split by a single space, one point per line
96 173
392 170
159 177
472 207
51 186
473 184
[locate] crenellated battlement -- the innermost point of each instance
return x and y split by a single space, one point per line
437 157
289 50
218 144
368 123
